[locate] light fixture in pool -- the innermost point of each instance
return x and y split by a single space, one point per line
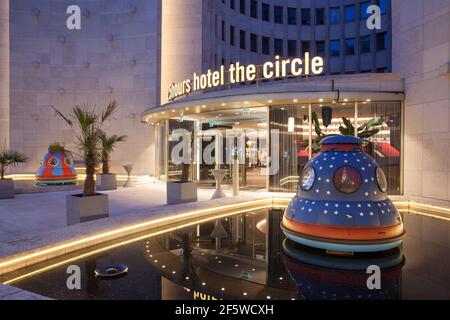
111 271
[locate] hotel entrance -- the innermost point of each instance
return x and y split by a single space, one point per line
273 143
219 140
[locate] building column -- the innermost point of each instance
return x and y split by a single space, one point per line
4 73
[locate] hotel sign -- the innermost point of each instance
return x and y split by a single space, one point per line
238 73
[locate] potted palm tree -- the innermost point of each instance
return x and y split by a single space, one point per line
87 124
8 158
107 180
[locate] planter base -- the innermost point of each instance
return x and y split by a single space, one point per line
181 192
6 189
106 181
82 209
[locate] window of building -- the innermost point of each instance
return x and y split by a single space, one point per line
242 4
254 9
278 14
320 48
382 41
266 45
292 48
242 39
335 48
383 4
363 10
350 46
349 13
306 16
305 46
335 15
223 30
364 44
253 42
292 16
278 47
320 16
232 4
265 12
232 35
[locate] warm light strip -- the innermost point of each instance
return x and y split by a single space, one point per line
119 244
131 229
263 204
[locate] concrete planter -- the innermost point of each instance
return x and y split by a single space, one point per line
106 182
181 192
6 189
81 209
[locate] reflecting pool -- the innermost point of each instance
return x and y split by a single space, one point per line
247 257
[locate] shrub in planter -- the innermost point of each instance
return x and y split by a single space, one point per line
87 124
8 158
107 180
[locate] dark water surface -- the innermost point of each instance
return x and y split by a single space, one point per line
247 257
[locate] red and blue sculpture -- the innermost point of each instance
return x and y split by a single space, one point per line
341 204
56 168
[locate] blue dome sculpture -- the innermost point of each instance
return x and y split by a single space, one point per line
341 203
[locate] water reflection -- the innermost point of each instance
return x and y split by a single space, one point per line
247 257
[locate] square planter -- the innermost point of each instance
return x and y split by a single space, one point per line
81 209
106 182
6 189
181 192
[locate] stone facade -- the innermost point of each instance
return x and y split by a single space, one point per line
4 73
421 55
116 55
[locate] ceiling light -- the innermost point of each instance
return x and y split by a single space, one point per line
320 100
203 106
270 101
295 100
224 104
346 100
246 102
187 108
368 100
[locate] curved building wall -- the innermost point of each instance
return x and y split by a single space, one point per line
114 56
207 34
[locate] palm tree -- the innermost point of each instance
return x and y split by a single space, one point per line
10 157
88 128
108 145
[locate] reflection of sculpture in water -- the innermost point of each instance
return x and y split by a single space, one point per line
324 277
218 234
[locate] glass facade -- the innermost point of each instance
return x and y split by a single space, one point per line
280 140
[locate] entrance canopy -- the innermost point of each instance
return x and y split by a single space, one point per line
327 89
